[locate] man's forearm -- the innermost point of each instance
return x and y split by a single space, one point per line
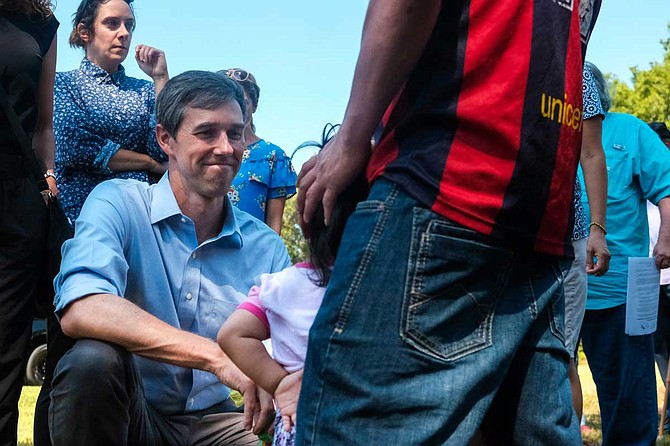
394 36
113 319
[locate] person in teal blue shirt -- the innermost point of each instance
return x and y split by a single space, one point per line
152 273
638 167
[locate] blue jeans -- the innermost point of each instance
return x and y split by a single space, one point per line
427 332
623 370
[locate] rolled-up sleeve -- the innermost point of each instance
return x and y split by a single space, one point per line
283 179
76 144
93 261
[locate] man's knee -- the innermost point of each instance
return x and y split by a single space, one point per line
89 362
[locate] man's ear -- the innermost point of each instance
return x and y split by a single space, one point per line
163 137
83 33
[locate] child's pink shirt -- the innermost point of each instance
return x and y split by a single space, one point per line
286 302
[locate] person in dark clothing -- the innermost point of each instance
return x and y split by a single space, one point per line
27 67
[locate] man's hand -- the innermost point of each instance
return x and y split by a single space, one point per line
662 253
326 175
259 411
596 246
286 397
153 62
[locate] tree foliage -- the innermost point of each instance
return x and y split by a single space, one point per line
649 96
291 233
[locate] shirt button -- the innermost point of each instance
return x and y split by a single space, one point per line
194 255
183 220
189 296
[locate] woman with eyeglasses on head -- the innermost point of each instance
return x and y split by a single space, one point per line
27 67
266 177
103 119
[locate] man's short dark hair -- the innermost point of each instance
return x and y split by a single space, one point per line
195 89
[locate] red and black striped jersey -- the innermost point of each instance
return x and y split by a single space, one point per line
486 131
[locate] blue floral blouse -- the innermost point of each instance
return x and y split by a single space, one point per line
266 172
592 107
95 115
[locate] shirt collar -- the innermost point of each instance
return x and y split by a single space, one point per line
164 205
90 69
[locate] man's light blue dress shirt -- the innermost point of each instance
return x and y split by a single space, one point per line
132 240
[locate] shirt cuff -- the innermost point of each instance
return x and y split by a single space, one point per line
102 159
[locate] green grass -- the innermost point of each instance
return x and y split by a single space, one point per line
26 414
591 411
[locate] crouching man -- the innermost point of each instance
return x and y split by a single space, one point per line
150 276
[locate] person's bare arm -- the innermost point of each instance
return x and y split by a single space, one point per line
125 160
662 248
274 211
241 337
113 319
593 164
43 139
395 34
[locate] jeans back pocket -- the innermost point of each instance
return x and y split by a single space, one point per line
454 279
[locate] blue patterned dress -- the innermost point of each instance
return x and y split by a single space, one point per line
266 173
95 115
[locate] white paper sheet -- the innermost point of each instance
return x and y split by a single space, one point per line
642 296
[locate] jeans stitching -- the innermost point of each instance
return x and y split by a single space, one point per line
370 248
414 282
343 313
532 299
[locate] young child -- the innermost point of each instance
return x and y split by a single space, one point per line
282 307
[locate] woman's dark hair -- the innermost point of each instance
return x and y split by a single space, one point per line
28 7
324 241
86 14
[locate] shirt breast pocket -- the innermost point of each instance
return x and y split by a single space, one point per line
619 172
219 310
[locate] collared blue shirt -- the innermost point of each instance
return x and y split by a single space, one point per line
96 114
638 169
133 241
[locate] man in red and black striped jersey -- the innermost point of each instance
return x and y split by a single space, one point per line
445 310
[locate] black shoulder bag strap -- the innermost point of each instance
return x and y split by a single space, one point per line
28 153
